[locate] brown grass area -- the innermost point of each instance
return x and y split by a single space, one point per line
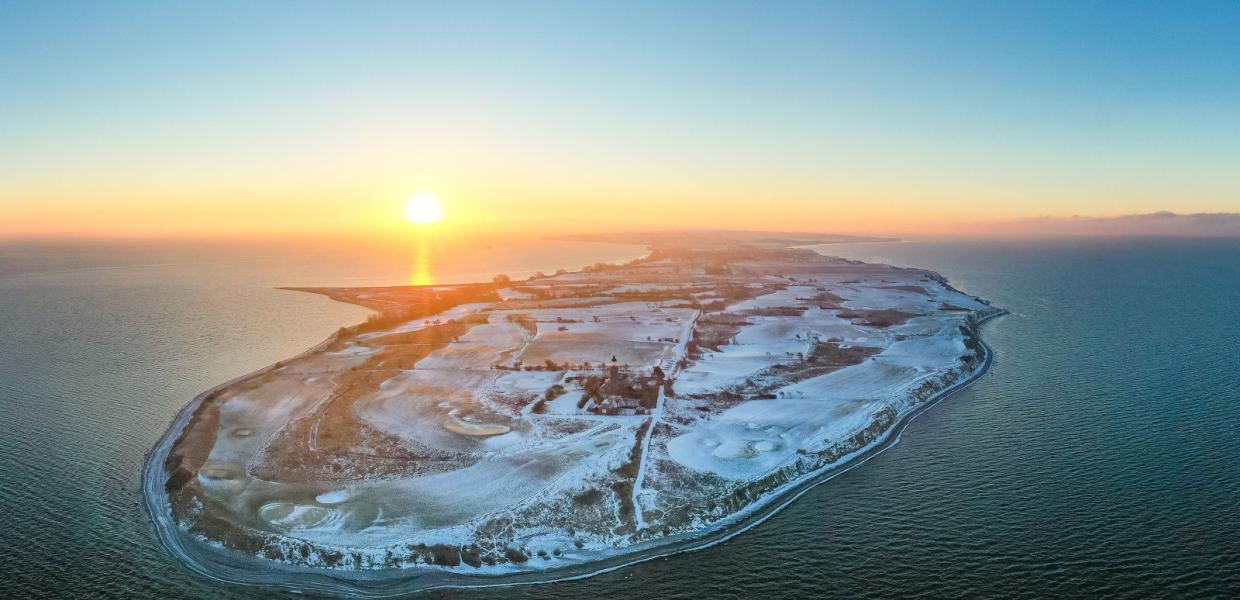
190 451
877 318
526 322
712 331
628 475
830 356
824 299
413 343
334 444
916 289
824 358
396 304
777 311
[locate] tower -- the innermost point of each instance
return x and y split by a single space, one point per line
613 376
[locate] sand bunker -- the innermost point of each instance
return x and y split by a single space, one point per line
288 515
456 425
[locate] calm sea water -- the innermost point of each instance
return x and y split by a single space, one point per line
1100 455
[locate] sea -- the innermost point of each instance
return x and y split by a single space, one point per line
1099 456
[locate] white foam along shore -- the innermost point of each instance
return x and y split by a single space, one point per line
237 567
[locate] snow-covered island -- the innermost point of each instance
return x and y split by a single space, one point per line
494 430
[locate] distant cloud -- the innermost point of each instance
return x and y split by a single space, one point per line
1163 223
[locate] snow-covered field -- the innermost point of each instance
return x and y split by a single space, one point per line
499 435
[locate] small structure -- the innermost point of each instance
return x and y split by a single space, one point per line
613 383
622 393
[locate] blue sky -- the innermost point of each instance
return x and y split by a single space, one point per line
1002 109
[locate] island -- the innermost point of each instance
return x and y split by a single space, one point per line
508 429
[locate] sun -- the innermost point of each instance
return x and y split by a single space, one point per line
423 209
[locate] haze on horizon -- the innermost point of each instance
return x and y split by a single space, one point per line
887 118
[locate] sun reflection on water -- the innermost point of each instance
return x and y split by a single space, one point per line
421 272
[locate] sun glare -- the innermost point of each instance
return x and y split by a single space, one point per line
423 209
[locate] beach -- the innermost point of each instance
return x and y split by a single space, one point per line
643 541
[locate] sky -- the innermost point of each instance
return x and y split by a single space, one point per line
169 119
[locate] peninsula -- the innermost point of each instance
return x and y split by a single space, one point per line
512 427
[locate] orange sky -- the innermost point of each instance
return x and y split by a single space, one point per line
848 118
212 209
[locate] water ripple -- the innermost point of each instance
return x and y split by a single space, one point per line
1097 458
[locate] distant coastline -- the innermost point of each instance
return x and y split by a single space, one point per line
708 238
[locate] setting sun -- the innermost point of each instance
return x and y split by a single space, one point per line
423 209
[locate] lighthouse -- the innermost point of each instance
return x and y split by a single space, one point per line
613 377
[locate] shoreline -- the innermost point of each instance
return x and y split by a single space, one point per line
234 567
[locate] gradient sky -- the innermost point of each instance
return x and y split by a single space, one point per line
885 117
